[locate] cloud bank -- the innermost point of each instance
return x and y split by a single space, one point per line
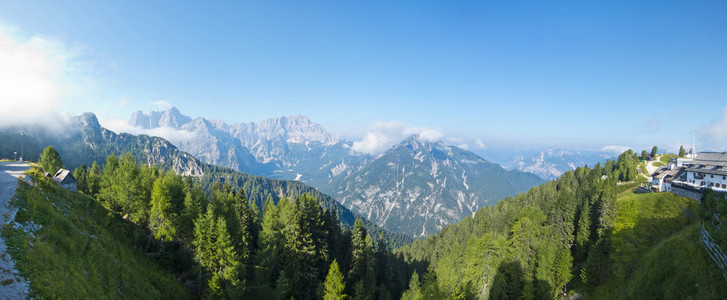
32 72
615 149
173 135
380 136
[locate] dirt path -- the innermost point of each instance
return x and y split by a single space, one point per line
12 286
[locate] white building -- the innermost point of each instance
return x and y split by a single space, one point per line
664 176
708 170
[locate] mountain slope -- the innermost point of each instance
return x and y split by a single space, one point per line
419 187
82 139
290 147
69 246
86 141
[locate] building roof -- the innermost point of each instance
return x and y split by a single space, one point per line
714 163
64 175
711 159
660 172
674 174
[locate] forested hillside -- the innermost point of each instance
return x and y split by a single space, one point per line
581 234
82 141
259 189
222 247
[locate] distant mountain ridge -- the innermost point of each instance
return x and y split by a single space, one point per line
419 187
277 148
81 139
548 163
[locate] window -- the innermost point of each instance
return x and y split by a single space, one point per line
712 176
701 183
711 184
724 185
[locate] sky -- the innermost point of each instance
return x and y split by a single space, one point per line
483 74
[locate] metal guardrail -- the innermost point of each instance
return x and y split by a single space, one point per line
715 252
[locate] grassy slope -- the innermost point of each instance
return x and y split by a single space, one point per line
656 253
82 251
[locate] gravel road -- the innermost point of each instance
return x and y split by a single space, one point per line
12 286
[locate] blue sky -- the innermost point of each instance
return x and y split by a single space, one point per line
526 74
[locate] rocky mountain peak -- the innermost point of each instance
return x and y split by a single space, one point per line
169 118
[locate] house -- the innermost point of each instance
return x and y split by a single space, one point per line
65 179
664 176
707 170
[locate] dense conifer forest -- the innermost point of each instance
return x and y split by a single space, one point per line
225 245
561 238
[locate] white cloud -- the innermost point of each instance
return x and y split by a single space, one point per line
615 149
480 145
34 73
382 135
716 133
173 135
161 104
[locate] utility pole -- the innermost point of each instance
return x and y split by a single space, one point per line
21 145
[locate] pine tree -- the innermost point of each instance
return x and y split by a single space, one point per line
682 152
162 216
414 292
194 204
334 285
357 270
247 222
204 240
226 267
81 174
50 160
94 179
282 288
654 151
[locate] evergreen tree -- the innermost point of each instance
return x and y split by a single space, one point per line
162 216
334 285
50 160
94 179
194 204
271 239
247 223
654 151
81 175
204 241
225 269
358 253
682 152
414 292
282 288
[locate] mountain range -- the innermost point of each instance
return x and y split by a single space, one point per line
416 187
547 163
419 187
82 140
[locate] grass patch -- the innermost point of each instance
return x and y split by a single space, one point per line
80 250
666 158
655 251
